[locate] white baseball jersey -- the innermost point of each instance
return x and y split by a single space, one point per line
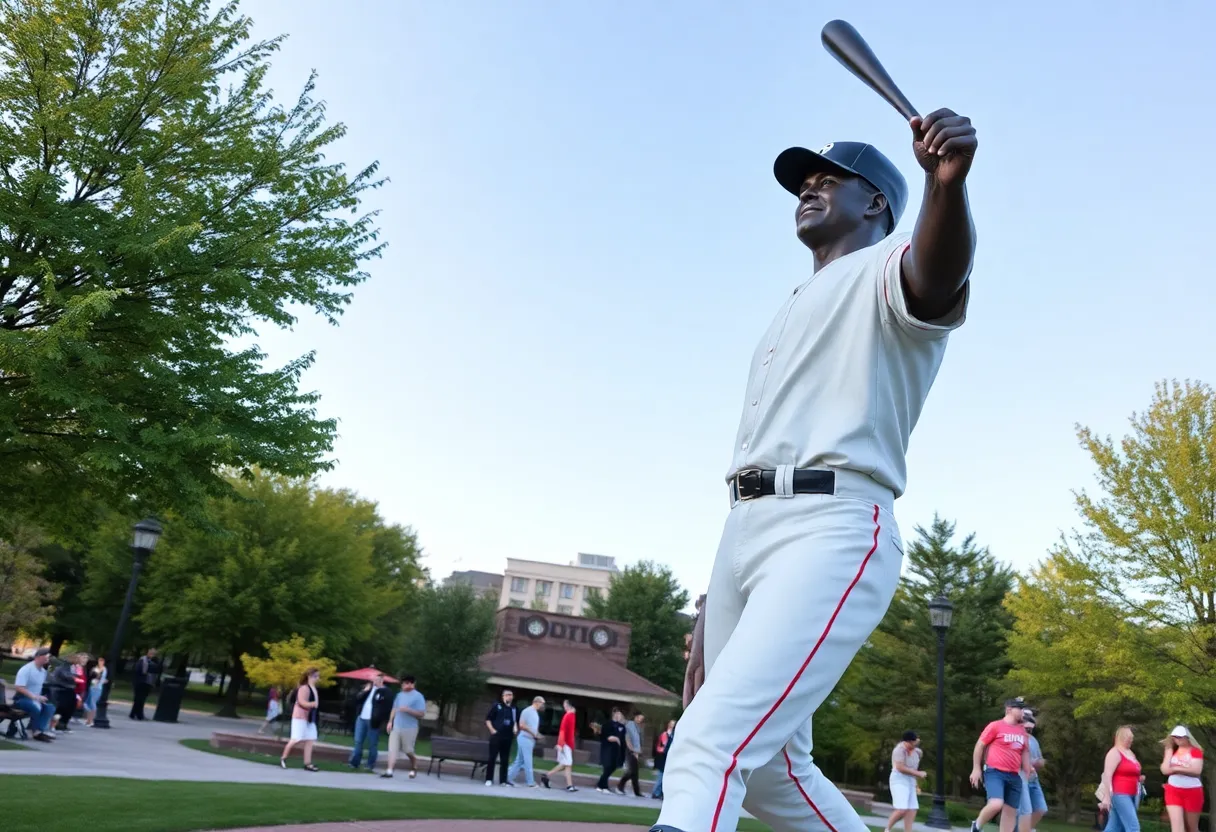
843 372
801 581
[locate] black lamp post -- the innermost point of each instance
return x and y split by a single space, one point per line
147 532
940 613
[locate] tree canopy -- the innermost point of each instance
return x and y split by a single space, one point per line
156 206
648 598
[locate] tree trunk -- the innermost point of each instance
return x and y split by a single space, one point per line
228 709
183 665
57 643
223 678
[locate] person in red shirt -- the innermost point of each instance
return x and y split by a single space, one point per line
1121 779
564 748
1008 762
1183 765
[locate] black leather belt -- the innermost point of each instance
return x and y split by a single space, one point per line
753 483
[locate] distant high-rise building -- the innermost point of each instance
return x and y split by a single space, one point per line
556 587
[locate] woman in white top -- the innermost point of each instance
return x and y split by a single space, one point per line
905 781
1182 765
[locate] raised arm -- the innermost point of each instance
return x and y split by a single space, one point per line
938 263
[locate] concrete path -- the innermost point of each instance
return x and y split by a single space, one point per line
152 751
452 826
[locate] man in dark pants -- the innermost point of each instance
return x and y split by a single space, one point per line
633 755
612 744
503 725
142 681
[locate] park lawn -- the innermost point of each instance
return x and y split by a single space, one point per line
9 745
104 804
423 749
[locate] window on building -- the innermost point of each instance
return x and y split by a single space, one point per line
515 602
592 592
565 609
568 591
544 588
519 584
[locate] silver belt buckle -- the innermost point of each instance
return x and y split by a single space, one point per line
753 479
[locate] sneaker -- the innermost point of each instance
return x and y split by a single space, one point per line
544 779
388 775
975 827
413 774
512 785
489 782
282 764
44 738
571 789
601 791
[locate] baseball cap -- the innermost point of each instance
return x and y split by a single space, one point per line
1028 718
795 164
42 651
1016 702
1180 731
911 736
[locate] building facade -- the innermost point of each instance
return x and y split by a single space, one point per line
537 653
558 588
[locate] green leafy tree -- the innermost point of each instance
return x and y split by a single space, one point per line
26 596
892 685
453 627
157 207
1143 570
281 557
648 598
1060 646
397 573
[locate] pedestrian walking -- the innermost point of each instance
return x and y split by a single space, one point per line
274 709
612 745
502 724
1034 804
905 781
633 755
1183 765
409 709
660 758
564 749
1008 761
1121 779
304 718
97 682
529 734
373 705
142 683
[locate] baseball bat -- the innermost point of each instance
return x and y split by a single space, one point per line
850 48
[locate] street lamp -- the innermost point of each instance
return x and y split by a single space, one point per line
941 611
147 532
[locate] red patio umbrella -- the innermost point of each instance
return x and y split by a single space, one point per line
365 674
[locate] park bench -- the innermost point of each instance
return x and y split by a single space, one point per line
15 717
457 750
332 723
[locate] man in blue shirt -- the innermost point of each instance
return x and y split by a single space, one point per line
502 724
409 708
31 678
1034 805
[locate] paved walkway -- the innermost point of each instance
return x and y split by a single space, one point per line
152 751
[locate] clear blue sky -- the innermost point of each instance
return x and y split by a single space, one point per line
586 242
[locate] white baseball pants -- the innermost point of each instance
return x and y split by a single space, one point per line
799 583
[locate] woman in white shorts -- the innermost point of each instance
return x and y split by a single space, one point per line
905 781
304 717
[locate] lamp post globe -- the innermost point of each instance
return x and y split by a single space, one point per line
941 615
145 536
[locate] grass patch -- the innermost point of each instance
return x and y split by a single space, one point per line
9 745
103 804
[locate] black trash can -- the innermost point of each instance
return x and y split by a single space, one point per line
169 700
